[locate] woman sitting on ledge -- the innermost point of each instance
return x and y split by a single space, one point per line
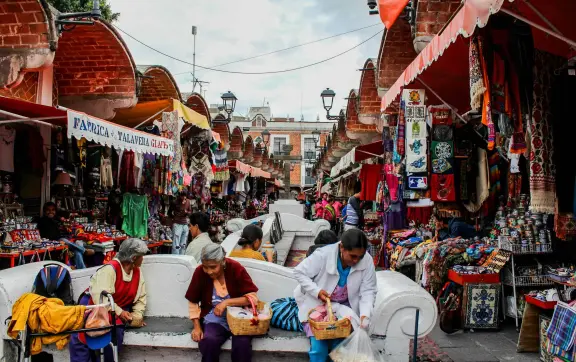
217 284
250 241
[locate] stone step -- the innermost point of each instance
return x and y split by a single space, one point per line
283 247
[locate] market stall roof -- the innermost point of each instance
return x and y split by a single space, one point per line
80 125
147 111
358 154
443 64
326 187
247 169
18 109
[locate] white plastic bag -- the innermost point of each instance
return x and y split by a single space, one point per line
356 348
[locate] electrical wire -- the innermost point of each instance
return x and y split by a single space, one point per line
289 48
251 73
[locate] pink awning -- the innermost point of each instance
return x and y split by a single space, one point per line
450 51
239 166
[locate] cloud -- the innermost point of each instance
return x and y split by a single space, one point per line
232 30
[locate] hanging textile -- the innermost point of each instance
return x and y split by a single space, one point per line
487 100
126 176
542 169
482 190
369 178
7 138
477 87
172 126
135 213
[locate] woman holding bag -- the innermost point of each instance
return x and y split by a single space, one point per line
343 273
219 283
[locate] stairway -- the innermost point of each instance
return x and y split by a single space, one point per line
283 247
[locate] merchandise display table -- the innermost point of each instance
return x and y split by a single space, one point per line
13 257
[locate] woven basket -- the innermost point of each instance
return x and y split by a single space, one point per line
250 327
332 329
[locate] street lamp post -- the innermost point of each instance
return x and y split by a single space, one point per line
229 100
327 101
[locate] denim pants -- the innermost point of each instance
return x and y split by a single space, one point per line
78 253
179 239
319 350
214 337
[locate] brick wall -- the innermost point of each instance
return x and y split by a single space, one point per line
23 24
396 53
27 90
160 86
295 174
92 61
431 15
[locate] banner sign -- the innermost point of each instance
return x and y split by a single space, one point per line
80 125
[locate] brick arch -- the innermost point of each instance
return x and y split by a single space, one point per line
196 102
396 53
431 16
157 83
95 71
248 150
28 39
223 129
236 144
369 109
258 156
351 111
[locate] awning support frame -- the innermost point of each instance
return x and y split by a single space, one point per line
149 118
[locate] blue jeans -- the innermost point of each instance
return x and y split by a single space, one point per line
78 250
179 239
319 350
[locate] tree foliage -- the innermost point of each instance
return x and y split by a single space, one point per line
74 6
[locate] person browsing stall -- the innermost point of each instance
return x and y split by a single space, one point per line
179 211
354 211
218 283
324 237
123 279
343 273
49 227
199 225
250 242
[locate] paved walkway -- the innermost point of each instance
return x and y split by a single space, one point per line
478 346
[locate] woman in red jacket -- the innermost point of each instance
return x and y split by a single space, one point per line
217 284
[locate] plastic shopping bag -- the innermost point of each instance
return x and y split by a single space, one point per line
356 348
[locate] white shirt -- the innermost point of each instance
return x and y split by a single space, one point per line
319 272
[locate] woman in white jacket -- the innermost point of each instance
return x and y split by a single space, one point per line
343 272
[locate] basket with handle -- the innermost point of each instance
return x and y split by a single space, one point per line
250 327
332 329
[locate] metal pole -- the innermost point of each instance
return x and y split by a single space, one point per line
415 351
194 32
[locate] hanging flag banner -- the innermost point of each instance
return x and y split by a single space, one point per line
81 125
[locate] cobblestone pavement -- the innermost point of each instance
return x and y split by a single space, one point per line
478 346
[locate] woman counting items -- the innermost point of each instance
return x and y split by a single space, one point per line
123 279
344 274
219 283
250 242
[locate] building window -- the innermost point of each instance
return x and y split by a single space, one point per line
279 143
308 179
259 122
309 149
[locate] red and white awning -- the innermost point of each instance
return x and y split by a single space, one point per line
358 154
445 58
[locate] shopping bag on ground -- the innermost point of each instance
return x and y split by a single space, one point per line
356 348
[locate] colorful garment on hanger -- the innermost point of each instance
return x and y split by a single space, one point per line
477 87
172 126
126 177
106 178
487 100
369 178
135 213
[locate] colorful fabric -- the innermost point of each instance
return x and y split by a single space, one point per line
443 188
564 225
135 213
477 87
442 150
481 303
487 102
542 168
561 331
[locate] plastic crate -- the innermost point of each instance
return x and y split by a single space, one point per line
539 303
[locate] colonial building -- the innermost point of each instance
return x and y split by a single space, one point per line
305 138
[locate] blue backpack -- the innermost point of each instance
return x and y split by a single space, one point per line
285 315
54 281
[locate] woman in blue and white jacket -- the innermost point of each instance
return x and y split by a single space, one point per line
343 272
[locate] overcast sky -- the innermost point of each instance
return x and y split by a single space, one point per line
229 30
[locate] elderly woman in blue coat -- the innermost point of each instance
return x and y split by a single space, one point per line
343 272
